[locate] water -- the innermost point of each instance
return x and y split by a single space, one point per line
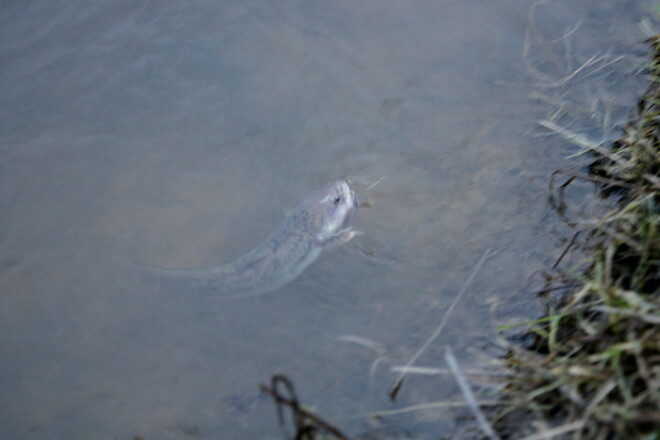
179 134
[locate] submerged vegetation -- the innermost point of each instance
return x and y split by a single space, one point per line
592 368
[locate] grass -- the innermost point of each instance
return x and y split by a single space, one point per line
593 366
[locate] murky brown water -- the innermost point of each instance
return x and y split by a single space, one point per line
179 133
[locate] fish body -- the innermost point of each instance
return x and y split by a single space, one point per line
322 219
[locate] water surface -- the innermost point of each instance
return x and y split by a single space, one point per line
180 133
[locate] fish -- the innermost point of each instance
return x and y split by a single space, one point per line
323 219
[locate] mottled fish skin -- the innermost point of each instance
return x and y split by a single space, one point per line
320 220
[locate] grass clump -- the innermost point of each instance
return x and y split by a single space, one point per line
593 366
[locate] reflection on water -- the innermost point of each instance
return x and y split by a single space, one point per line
179 134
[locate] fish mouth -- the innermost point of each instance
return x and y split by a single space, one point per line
351 198
351 193
351 201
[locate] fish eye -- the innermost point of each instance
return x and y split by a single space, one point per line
336 199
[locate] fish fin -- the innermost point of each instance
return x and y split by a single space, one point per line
346 235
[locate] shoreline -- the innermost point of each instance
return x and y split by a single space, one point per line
592 370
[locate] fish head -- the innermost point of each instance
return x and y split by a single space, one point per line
333 208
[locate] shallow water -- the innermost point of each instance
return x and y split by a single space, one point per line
179 134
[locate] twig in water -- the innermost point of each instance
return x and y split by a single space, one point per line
432 371
563 254
374 184
301 417
590 62
469 396
362 342
588 145
396 386
559 203
573 137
